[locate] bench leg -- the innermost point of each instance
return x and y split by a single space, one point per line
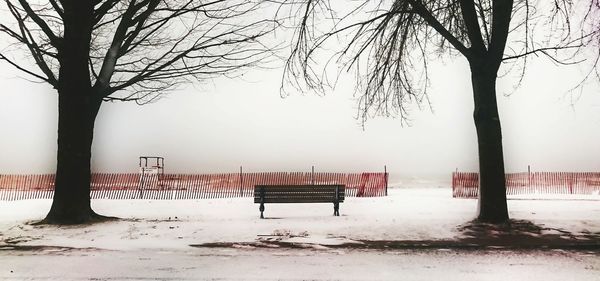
261 209
336 209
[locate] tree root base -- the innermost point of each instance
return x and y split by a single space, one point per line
90 217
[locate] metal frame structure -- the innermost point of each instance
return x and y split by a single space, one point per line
160 164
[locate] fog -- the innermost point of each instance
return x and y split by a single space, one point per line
221 125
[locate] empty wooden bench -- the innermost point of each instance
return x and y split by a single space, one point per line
299 194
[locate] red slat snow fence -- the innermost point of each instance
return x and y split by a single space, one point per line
466 185
189 186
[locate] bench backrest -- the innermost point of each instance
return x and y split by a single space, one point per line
299 193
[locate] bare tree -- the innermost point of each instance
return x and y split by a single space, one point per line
389 44
114 50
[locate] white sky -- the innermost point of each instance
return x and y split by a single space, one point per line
218 127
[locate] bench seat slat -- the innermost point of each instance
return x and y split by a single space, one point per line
298 189
301 194
274 198
296 199
281 193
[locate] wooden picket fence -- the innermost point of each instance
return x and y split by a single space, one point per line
189 186
466 185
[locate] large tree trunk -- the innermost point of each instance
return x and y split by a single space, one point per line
71 202
78 106
492 205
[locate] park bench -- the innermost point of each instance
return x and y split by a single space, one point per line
299 194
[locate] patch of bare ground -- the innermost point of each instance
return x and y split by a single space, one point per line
475 235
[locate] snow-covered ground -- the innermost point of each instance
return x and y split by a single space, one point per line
299 264
406 214
167 240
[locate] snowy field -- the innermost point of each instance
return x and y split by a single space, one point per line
406 214
157 234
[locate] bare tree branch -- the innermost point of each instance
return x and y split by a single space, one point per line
138 45
435 24
59 10
541 50
388 43
54 40
472 25
17 66
25 37
501 11
101 11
